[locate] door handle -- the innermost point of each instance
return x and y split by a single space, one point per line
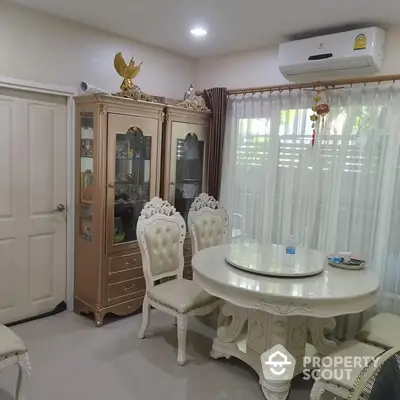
60 208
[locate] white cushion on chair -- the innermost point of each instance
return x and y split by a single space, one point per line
180 295
209 230
163 240
382 330
10 343
351 348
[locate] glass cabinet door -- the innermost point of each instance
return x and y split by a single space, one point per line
87 188
133 162
187 169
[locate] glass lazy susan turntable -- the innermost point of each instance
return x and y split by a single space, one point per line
272 260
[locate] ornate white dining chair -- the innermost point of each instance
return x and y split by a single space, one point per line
13 351
207 223
341 379
380 333
161 232
208 226
382 330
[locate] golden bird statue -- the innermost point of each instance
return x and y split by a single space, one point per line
127 71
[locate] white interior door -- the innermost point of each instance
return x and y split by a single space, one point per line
33 181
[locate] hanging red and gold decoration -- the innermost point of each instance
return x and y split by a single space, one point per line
323 109
320 109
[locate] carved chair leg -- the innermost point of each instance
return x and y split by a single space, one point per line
18 395
182 321
145 317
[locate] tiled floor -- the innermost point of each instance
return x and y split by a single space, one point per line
72 359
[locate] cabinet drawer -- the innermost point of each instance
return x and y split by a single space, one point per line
121 291
125 262
123 276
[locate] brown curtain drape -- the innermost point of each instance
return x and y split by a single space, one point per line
216 100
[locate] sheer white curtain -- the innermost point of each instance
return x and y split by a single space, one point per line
343 194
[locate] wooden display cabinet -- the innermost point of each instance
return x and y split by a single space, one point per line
118 163
185 163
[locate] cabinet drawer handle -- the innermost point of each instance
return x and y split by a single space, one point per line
130 262
128 288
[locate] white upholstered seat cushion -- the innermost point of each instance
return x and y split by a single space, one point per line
180 295
352 348
10 343
382 330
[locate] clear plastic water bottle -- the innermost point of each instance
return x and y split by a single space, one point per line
291 245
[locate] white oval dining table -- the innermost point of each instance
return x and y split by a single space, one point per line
265 311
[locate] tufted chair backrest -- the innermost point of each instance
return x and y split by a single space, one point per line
207 223
161 232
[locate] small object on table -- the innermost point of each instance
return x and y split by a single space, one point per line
350 264
346 255
291 245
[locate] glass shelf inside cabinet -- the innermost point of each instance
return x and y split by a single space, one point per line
189 172
86 154
87 178
132 182
87 135
85 222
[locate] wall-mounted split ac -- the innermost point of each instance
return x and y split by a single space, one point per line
358 52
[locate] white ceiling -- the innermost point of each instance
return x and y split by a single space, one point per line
233 25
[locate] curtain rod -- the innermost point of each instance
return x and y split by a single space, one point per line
313 85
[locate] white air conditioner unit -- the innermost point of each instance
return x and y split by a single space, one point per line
358 52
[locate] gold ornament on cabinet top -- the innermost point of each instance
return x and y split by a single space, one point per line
129 72
193 101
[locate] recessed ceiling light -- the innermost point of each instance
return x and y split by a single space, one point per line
198 32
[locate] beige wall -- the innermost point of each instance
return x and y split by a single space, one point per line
260 68
38 47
